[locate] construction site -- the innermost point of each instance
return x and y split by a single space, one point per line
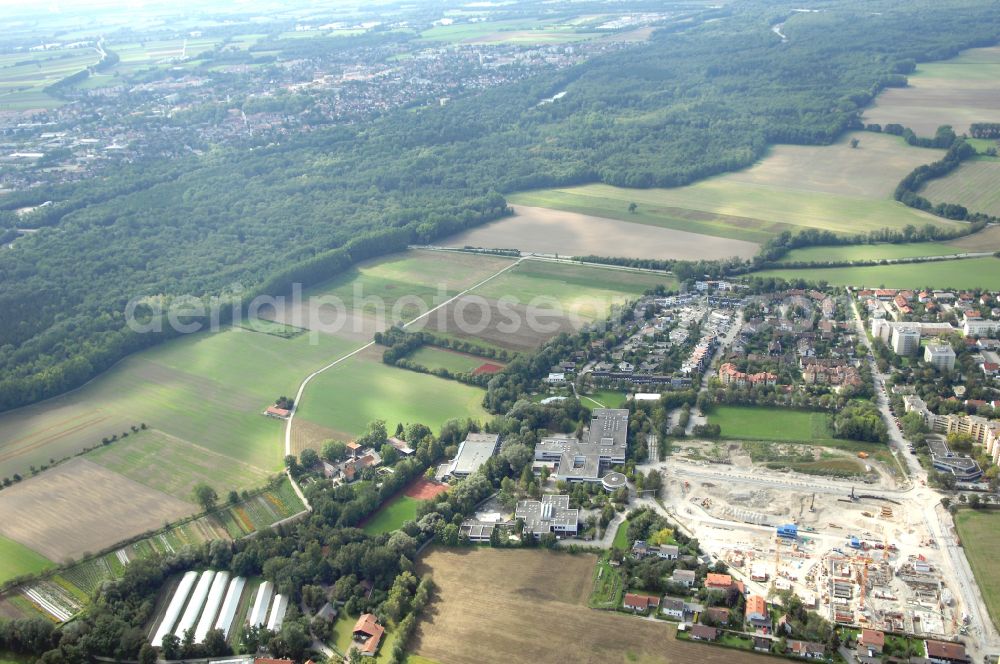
860 556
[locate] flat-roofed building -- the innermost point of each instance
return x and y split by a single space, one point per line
588 460
551 514
940 355
905 340
473 453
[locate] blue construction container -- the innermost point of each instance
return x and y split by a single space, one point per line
789 531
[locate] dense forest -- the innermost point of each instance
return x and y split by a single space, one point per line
690 103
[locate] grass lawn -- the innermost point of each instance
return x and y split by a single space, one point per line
19 559
980 535
604 399
753 423
175 466
360 390
265 326
621 536
433 357
869 252
962 273
392 515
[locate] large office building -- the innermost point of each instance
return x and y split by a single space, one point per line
588 460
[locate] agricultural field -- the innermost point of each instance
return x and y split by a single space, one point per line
342 401
175 466
79 507
206 389
961 273
379 293
987 239
869 252
19 560
392 515
973 184
537 603
979 532
23 76
519 31
760 423
532 302
838 188
559 232
955 92
433 358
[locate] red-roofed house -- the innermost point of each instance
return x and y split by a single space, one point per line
718 581
871 642
756 612
367 635
274 411
640 602
942 652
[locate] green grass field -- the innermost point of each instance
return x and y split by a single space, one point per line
588 291
19 560
23 76
206 389
175 466
274 328
433 357
392 515
621 536
980 535
869 252
752 423
606 399
529 30
347 397
962 273
729 208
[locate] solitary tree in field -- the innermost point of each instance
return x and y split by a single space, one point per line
206 496
632 207
854 142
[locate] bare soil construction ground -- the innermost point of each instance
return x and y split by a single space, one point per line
547 231
492 605
81 507
956 92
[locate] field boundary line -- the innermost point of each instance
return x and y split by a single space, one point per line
305 382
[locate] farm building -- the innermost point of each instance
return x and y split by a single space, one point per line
215 596
193 609
174 608
258 614
473 453
230 605
277 616
367 634
280 413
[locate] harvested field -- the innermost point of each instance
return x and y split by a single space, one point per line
380 293
973 184
956 92
476 318
425 489
542 230
174 466
987 239
490 603
79 507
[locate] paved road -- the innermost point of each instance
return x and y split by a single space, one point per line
982 636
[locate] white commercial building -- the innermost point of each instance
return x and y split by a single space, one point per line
940 356
905 340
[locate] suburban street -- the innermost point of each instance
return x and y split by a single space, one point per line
982 635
